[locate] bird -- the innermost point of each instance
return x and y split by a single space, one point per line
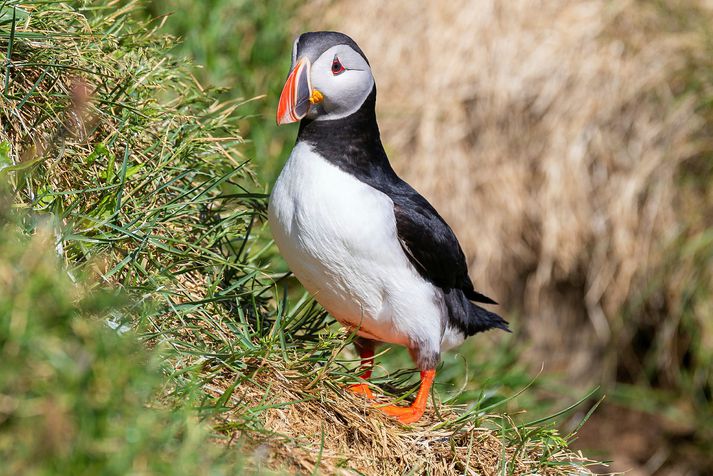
364 243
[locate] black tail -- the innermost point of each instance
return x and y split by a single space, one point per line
474 295
470 318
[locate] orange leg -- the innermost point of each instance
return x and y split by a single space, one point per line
366 352
415 411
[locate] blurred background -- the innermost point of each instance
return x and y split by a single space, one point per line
569 145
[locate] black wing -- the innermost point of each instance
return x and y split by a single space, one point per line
430 243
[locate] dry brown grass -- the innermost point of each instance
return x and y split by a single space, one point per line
550 135
338 433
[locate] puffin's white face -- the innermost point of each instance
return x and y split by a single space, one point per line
344 79
333 86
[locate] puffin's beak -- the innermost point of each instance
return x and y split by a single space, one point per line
297 94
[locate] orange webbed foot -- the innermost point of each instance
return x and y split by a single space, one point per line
405 415
413 413
361 389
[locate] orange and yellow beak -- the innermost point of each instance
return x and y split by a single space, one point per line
297 95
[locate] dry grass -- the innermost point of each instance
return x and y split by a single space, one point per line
550 135
337 433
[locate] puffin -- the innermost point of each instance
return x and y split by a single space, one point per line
364 243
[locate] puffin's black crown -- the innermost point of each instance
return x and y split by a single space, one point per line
312 44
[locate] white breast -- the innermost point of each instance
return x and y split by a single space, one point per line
338 235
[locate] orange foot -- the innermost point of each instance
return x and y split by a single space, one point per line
405 415
361 389
413 413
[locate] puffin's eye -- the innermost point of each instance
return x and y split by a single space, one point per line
337 67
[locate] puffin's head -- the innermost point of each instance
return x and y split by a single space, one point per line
330 78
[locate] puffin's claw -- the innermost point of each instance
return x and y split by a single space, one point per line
362 389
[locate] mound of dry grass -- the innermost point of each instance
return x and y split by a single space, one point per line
552 136
338 433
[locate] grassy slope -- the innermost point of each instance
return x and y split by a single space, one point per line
138 171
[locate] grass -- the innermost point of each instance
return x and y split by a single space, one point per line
227 38
131 176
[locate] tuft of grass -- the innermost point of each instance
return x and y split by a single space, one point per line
285 390
137 169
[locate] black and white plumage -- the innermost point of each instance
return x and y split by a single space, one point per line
370 249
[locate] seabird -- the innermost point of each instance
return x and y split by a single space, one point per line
371 250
